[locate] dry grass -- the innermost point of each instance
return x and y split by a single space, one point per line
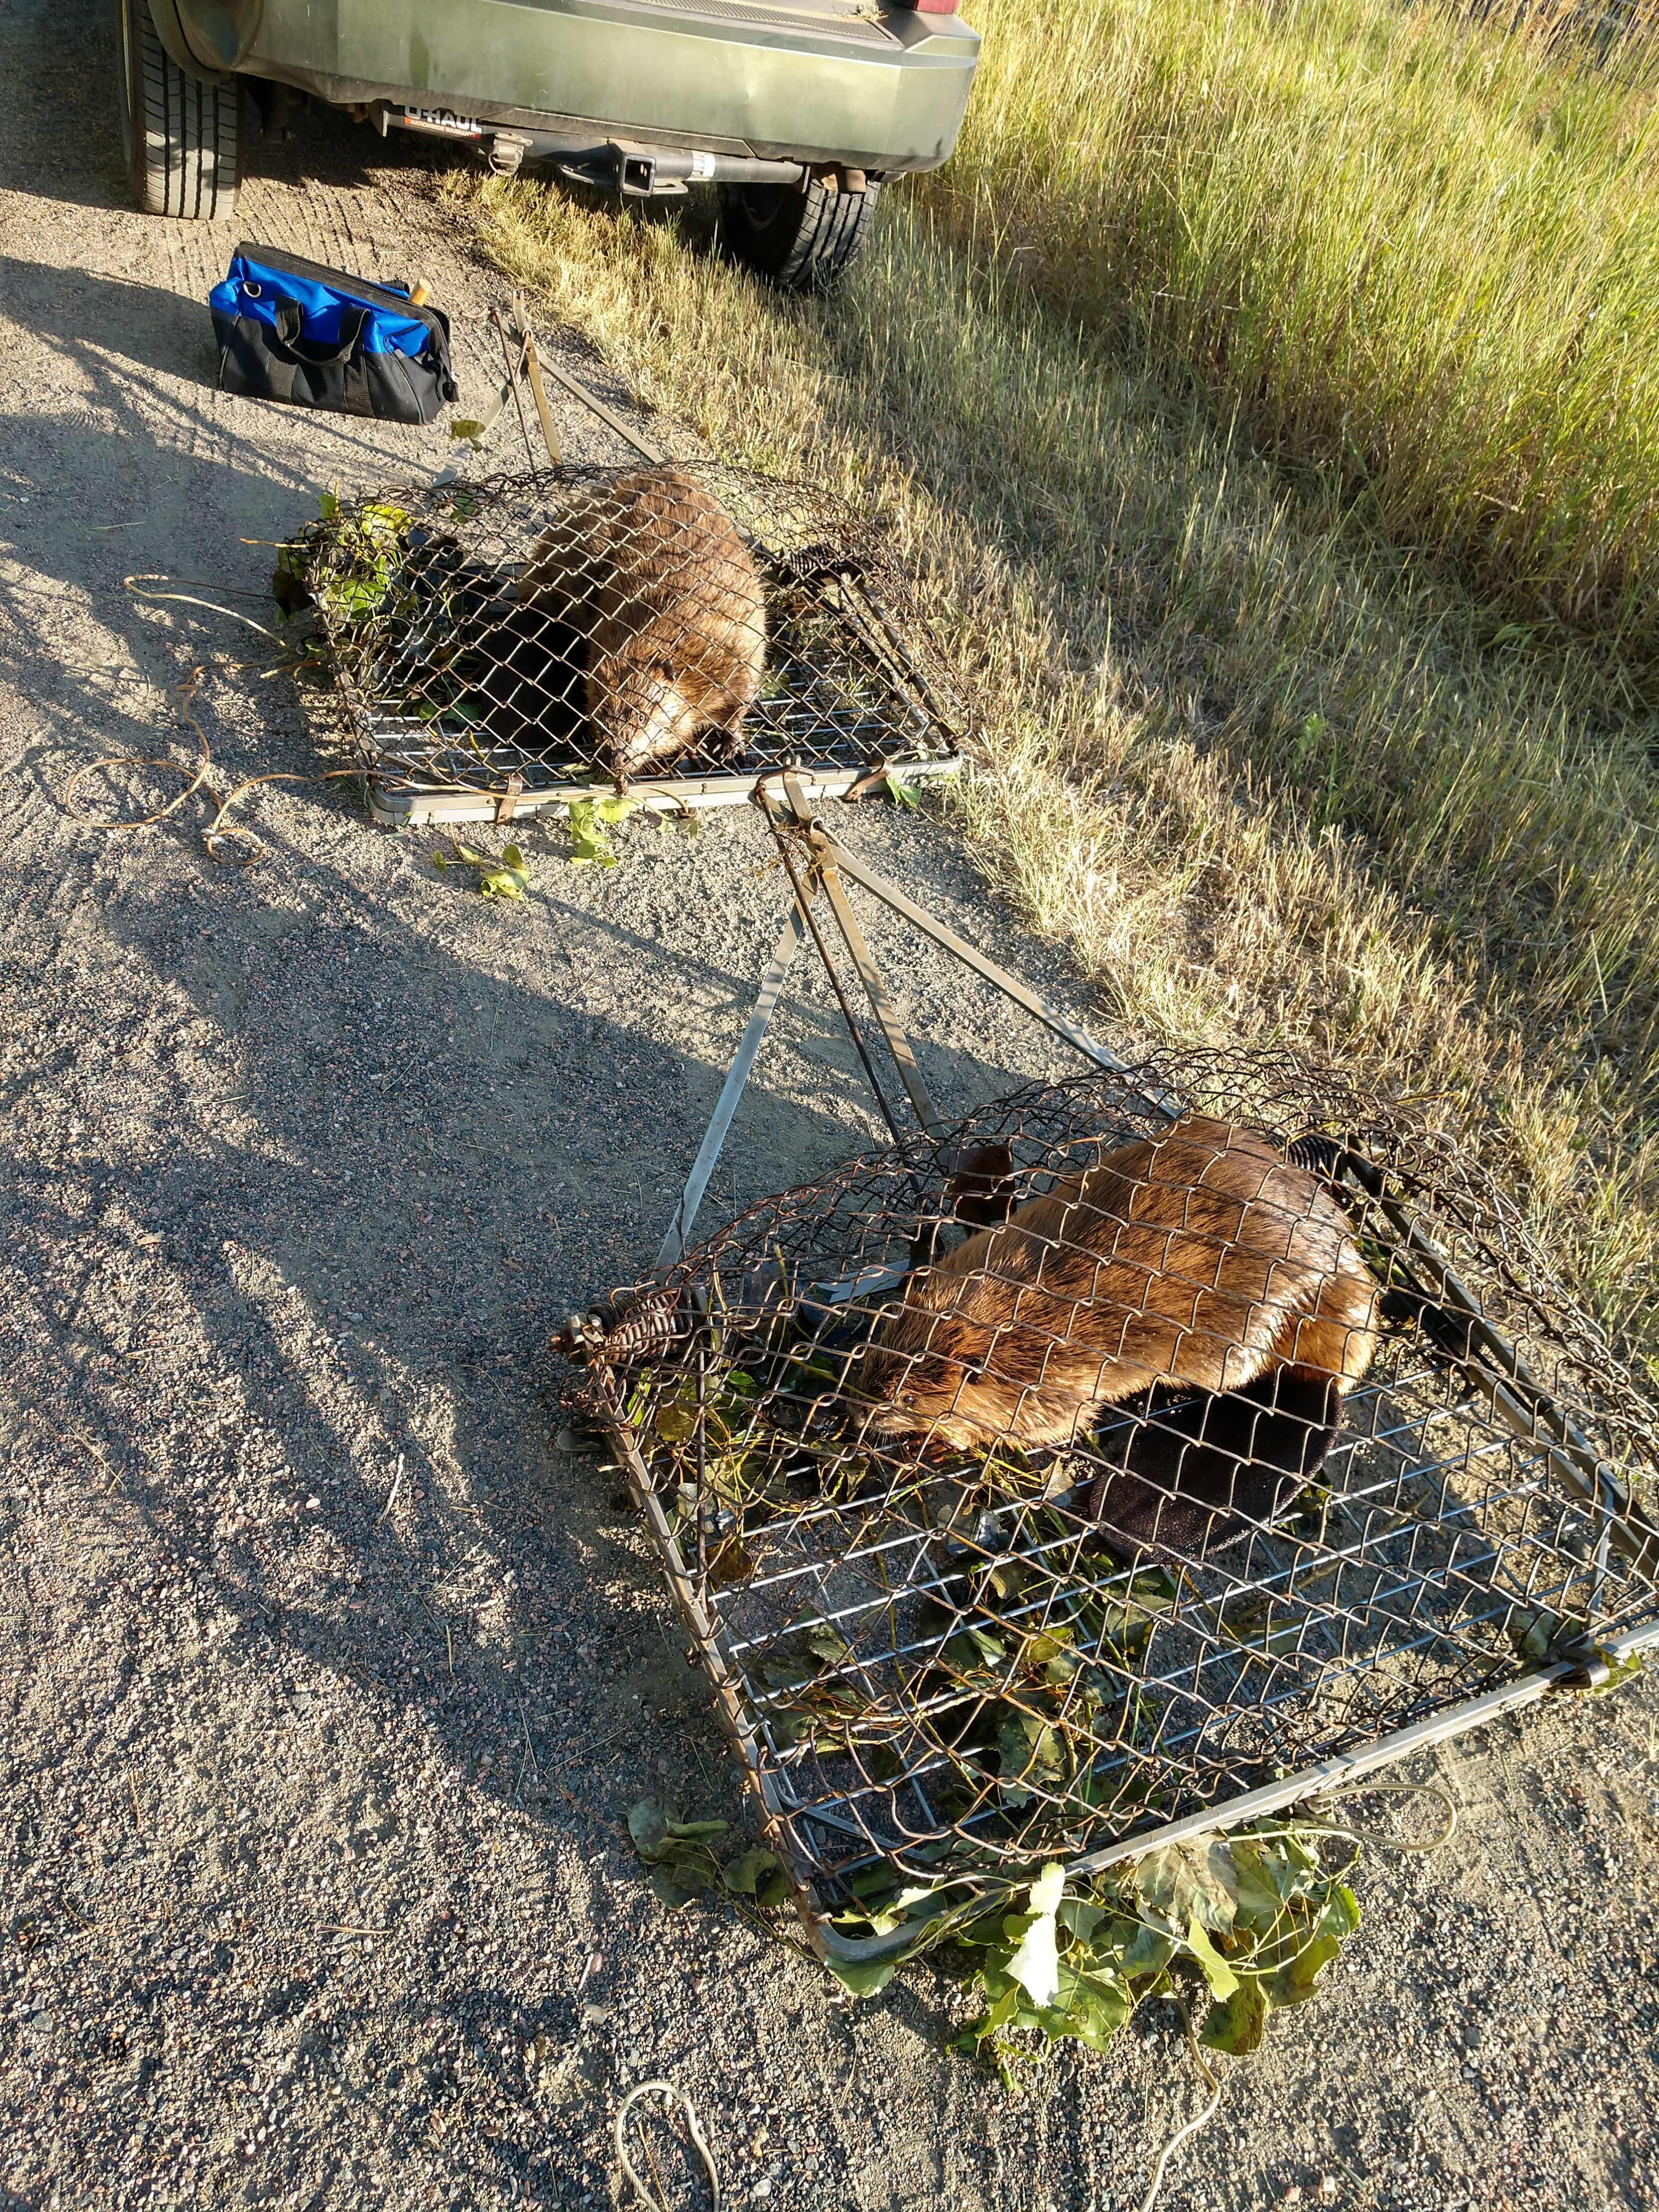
1396 244
1266 789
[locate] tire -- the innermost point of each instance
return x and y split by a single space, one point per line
179 137
804 240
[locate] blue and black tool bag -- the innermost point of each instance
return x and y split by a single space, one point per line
292 329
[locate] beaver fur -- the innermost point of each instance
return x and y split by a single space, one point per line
1202 1256
1187 1476
659 584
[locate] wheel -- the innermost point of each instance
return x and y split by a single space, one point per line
179 136
802 240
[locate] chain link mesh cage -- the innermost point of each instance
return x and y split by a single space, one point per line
1151 1440
528 641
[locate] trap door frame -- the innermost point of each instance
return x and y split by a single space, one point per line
828 863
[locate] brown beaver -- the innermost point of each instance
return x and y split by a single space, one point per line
1202 1256
659 582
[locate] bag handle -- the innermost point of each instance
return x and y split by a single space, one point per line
290 322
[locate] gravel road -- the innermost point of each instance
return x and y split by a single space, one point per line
328 1679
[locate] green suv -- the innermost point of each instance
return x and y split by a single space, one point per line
797 110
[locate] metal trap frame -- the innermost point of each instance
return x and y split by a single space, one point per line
940 1664
414 587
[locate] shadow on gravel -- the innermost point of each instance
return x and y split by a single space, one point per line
442 1163
68 74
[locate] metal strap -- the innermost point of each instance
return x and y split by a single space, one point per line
930 925
595 405
886 1013
533 370
703 1167
806 893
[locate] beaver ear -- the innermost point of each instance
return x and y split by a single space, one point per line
972 1371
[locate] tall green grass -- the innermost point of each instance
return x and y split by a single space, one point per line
1408 249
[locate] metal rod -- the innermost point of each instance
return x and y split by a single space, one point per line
877 643
890 896
683 1588
513 368
1345 1769
886 1013
726 1106
804 900
886 632
533 370
462 803
595 405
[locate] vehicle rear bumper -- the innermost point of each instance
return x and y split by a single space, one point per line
803 80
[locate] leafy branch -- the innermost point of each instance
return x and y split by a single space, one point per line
685 1863
589 821
1255 1917
507 879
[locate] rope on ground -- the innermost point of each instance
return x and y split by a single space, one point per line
215 833
185 692
1378 1835
1203 2119
655 2200
135 584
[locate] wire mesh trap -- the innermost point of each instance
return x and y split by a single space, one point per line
1151 1450
526 642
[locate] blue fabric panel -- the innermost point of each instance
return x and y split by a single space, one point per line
252 291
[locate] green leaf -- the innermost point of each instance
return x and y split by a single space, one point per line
824 1641
1183 1880
1624 1670
1148 1950
464 427
744 1874
1028 1751
1216 1971
1095 2009
862 1977
693 1866
1080 1918
586 817
507 878
1265 1879
697 1831
1035 1965
1296 1981
670 1892
1238 2025
647 1827
329 505
902 794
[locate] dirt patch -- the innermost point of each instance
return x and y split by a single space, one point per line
328 1679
